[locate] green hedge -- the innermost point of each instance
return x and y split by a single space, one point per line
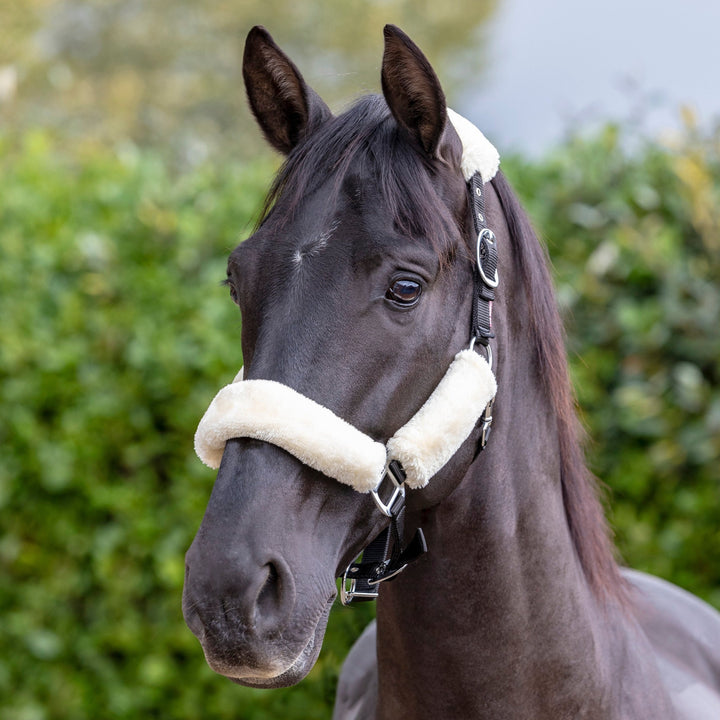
115 331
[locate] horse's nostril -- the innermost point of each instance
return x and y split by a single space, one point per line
268 599
276 596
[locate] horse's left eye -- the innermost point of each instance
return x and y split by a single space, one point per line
233 291
404 291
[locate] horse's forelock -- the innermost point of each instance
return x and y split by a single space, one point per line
365 140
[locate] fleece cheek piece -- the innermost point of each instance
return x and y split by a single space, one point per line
435 433
275 413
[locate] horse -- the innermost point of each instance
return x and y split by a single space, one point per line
357 289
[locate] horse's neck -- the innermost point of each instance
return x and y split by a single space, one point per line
498 620
498 610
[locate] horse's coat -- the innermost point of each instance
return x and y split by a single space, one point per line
519 609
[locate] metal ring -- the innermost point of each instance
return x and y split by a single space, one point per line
397 491
488 350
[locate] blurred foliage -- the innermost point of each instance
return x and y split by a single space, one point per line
167 73
116 332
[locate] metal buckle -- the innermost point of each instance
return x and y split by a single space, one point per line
348 593
487 423
488 236
398 490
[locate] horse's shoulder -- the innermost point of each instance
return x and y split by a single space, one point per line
356 696
685 634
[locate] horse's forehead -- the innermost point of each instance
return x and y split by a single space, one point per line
324 221
356 216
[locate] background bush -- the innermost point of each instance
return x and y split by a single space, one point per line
115 332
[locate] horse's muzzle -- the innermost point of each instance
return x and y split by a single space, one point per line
248 622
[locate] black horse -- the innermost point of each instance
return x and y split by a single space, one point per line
356 291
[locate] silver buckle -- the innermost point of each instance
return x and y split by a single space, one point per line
487 423
398 490
489 237
348 585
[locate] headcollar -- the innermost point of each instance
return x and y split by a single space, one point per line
275 413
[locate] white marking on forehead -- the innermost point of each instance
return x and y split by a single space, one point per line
314 247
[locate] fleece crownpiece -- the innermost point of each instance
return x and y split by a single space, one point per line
273 412
479 154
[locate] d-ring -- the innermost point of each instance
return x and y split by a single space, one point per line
488 350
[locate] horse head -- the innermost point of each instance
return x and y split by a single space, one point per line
356 292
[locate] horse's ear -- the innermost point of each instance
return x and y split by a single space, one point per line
286 109
412 90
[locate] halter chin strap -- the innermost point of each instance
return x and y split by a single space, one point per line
275 413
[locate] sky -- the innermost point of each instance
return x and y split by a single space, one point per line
553 65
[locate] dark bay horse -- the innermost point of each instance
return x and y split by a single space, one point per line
356 291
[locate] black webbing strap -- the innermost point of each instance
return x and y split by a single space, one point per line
485 272
376 567
485 279
385 557
373 557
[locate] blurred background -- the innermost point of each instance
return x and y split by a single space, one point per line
130 168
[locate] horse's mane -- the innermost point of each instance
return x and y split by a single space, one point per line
366 137
581 492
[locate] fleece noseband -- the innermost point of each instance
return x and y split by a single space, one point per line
273 412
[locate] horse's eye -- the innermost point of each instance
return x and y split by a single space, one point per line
404 291
233 291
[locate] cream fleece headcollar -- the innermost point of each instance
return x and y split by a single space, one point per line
479 154
275 413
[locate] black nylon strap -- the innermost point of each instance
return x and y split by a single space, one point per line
485 280
485 272
385 557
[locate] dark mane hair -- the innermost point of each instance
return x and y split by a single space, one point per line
581 492
366 137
